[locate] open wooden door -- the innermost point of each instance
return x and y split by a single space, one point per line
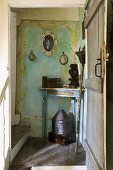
95 143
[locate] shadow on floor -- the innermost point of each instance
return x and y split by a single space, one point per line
36 153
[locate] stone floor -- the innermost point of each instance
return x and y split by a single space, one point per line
38 153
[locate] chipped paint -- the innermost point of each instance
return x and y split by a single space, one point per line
29 73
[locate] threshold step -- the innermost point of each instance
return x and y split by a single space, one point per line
59 167
17 132
19 135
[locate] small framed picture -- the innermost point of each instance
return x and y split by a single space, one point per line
63 59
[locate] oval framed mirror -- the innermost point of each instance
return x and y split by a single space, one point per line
48 43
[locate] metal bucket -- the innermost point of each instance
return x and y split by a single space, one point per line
61 123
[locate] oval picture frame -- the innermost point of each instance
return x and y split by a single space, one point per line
48 43
63 59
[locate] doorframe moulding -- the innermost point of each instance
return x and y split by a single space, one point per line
45 3
34 4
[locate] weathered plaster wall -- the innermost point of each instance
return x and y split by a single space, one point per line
58 14
29 73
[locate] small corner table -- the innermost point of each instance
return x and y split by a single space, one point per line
59 92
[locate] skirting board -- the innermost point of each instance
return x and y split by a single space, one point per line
18 146
59 168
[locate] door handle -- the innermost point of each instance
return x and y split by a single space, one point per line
97 67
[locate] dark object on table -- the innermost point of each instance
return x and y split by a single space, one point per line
61 128
51 82
74 76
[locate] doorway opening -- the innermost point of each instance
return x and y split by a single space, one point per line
29 63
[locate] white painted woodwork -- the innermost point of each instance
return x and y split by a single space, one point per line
94 133
84 113
94 84
60 167
96 4
95 153
1 136
4 129
3 43
4 88
45 3
88 4
18 146
13 63
92 38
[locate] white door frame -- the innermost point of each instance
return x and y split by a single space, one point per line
46 3
13 4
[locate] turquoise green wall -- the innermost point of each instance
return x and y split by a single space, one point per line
29 73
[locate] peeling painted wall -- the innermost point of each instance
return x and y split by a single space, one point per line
29 73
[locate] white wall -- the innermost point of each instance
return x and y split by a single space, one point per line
3 43
4 87
4 130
